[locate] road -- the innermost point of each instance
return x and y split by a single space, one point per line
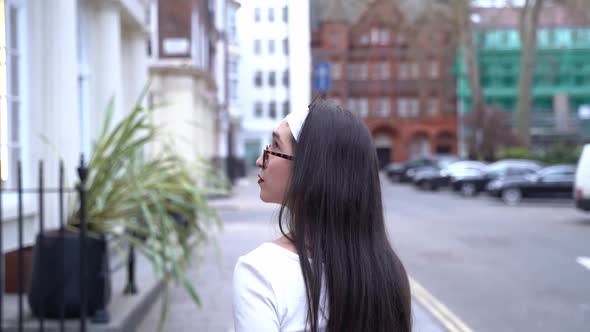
496 267
489 266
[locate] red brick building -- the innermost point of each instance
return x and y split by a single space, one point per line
395 73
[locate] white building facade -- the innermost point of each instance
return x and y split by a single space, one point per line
227 61
182 73
66 59
274 70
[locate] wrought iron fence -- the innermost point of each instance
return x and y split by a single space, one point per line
101 315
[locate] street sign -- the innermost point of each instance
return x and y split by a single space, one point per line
322 76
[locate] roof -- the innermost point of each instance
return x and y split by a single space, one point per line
336 11
551 16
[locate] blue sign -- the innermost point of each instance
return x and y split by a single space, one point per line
322 76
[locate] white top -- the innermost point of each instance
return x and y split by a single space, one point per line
269 292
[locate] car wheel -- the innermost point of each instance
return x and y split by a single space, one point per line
424 185
511 196
468 189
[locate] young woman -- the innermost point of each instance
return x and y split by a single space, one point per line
334 269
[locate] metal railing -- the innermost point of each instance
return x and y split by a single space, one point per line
101 315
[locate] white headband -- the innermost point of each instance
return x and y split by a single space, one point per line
295 120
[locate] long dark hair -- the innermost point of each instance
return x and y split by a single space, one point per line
335 221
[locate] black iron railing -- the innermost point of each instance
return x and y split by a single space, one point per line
42 191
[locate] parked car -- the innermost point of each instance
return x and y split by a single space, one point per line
440 175
582 180
404 172
549 182
475 183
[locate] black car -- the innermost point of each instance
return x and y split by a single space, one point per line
405 171
549 182
440 176
476 183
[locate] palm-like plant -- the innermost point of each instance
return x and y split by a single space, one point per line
139 200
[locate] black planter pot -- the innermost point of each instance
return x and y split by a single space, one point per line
56 271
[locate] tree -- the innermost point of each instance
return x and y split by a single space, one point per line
528 23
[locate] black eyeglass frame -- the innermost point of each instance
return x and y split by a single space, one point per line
267 152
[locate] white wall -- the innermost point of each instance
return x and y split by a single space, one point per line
51 97
297 62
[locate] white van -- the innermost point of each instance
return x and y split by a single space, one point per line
582 184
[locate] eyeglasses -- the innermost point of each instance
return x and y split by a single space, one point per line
267 152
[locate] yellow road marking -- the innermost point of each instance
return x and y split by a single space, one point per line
451 322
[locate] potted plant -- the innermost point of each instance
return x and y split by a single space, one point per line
134 199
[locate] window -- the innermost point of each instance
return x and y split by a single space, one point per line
364 39
374 36
363 71
11 111
383 37
84 80
363 107
351 71
271 79
380 70
256 14
233 89
415 70
334 38
403 71
272 110
233 32
286 78
352 105
285 14
258 109
433 106
286 46
258 79
286 108
382 107
433 70
271 14
384 70
407 107
271 46
257 46
336 70
233 67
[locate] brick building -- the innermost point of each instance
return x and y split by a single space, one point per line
394 72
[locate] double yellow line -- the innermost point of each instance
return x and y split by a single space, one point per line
451 322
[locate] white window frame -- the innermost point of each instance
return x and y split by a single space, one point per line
257 46
363 104
336 70
384 107
434 69
384 70
383 37
375 36
433 106
414 70
84 75
258 110
8 99
362 71
403 70
10 202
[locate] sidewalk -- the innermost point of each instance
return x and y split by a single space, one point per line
246 226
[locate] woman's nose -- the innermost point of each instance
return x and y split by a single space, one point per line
259 162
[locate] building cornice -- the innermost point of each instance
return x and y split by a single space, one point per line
182 68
